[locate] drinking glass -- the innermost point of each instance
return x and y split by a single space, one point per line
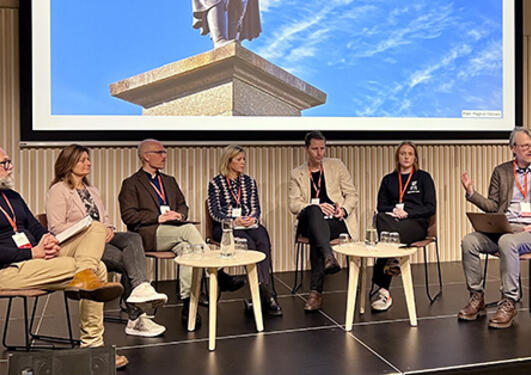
371 236
394 238
197 251
240 244
344 238
384 237
184 250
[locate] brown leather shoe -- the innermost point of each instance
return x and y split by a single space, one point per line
474 308
503 318
121 361
330 265
314 301
86 285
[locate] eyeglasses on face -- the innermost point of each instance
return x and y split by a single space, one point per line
6 163
159 152
524 146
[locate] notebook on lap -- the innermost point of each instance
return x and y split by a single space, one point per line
489 223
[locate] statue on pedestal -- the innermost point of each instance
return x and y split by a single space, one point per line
227 20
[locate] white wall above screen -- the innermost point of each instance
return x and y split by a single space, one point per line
470 58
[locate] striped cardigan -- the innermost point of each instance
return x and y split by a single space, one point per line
221 201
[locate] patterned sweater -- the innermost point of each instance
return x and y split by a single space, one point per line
221 201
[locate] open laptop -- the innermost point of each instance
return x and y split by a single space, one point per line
489 223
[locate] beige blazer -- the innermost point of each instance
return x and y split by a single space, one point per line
64 207
339 188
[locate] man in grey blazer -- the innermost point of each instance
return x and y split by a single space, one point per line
509 193
153 205
323 197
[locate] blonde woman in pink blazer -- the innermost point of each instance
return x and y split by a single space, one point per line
70 199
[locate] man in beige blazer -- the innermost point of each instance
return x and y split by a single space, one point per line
323 197
510 194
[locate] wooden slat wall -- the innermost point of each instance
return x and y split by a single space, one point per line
270 165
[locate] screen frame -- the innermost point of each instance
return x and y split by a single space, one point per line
29 136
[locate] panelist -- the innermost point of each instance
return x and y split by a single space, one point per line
32 258
234 195
323 197
509 194
406 201
70 199
153 205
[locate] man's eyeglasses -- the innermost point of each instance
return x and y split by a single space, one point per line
525 146
159 152
6 163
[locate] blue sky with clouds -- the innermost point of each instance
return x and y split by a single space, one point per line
375 58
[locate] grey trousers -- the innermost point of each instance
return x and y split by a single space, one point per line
125 255
508 246
170 237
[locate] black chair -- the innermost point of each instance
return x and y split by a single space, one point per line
29 335
431 237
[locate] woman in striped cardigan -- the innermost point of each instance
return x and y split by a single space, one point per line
234 195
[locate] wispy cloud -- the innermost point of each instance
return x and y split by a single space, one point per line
267 5
422 76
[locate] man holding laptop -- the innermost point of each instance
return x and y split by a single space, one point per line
509 193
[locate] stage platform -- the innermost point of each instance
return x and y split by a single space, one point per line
316 343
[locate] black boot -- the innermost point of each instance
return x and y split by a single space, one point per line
228 283
184 315
270 304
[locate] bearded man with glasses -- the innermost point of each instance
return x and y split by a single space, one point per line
30 257
509 193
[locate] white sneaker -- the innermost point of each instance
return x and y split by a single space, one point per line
145 293
383 300
144 326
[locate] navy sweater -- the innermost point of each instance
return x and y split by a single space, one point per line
221 201
26 223
419 198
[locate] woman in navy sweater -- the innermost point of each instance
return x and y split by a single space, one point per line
406 201
234 195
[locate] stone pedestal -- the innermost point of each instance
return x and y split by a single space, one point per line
227 81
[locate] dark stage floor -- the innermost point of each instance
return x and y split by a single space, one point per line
299 343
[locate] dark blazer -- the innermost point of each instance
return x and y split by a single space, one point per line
500 190
139 205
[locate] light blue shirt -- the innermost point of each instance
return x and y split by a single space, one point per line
514 209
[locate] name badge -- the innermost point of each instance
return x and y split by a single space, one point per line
525 208
315 201
400 206
21 240
164 208
237 212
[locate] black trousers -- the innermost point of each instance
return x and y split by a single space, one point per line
319 231
257 239
410 230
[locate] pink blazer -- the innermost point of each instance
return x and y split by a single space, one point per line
64 207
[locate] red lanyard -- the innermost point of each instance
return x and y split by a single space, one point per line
236 198
160 192
403 190
318 186
12 221
523 191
